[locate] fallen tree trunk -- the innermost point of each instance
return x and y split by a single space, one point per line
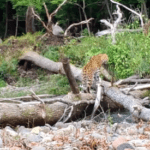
56 67
45 63
128 102
35 113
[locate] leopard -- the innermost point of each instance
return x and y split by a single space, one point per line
91 71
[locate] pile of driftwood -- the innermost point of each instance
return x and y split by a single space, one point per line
43 109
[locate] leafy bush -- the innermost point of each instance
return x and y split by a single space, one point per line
8 67
51 52
2 83
59 85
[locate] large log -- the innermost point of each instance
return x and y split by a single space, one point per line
45 63
56 67
39 114
128 101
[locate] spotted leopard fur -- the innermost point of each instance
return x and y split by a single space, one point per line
91 70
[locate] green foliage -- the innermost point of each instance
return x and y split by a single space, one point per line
59 85
51 52
134 25
27 39
35 3
2 83
8 68
85 32
110 119
55 84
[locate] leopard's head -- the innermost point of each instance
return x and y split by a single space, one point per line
104 58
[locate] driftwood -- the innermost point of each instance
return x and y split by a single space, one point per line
128 102
137 87
132 79
34 113
26 98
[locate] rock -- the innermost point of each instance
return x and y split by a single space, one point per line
132 131
13 148
139 143
36 130
118 142
60 125
108 130
68 147
10 131
49 138
125 146
78 143
1 131
115 136
66 131
97 136
57 30
141 130
39 148
45 129
141 148
23 131
82 130
115 127
34 138
1 143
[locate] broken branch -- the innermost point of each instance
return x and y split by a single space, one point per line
76 24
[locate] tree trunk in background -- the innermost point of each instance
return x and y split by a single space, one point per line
6 27
30 27
16 32
144 10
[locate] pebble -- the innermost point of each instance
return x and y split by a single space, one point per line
1 143
10 131
34 138
72 136
39 148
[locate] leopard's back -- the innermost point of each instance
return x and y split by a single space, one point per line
92 68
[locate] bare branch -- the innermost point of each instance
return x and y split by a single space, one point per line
119 17
98 97
140 15
76 24
38 17
69 115
36 96
104 32
113 26
83 4
47 13
58 8
138 87
106 23
132 81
